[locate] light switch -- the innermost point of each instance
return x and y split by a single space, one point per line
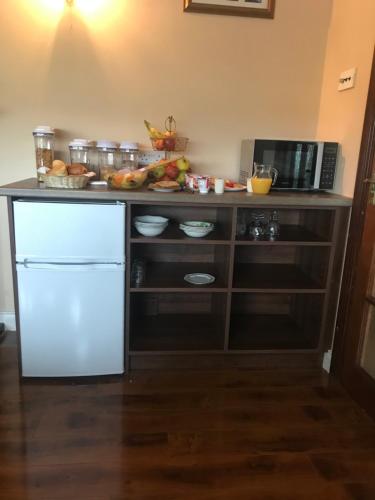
347 79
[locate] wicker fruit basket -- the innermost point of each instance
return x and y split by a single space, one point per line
66 181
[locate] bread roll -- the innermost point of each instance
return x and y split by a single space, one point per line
58 168
76 169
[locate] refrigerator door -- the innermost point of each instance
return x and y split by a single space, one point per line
71 319
69 232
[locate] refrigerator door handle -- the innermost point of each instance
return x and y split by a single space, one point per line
29 264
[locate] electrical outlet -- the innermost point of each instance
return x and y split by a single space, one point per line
347 79
147 157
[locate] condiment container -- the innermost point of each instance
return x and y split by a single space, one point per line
106 158
128 155
79 152
44 138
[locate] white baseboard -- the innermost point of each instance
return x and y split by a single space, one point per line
9 319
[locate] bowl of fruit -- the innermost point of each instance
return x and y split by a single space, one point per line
125 179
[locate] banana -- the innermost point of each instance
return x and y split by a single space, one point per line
154 132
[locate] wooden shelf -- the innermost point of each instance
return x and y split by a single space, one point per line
298 235
272 277
173 234
269 295
177 332
268 332
161 276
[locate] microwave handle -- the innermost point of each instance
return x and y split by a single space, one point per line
319 161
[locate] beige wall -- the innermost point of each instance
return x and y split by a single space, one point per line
224 78
351 42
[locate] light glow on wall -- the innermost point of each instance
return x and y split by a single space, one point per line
98 13
51 7
47 12
92 7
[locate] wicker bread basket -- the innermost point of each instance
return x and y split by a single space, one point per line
66 181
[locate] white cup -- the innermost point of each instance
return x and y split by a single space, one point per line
219 186
249 186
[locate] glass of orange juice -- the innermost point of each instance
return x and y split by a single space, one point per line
263 178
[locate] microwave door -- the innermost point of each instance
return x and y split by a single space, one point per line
287 163
308 167
296 166
277 154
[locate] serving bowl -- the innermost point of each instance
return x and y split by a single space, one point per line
150 225
196 229
127 180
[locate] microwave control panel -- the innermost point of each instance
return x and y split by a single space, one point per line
329 164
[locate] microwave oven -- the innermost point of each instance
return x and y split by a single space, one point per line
300 165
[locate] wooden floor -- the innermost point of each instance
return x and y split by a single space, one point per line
233 434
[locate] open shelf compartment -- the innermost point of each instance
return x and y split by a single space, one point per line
275 322
164 322
221 217
167 264
291 267
313 226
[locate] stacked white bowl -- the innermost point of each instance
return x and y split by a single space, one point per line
196 229
150 225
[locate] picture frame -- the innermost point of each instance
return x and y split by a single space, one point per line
247 8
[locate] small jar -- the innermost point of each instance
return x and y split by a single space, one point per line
138 273
128 156
44 139
257 225
106 158
273 226
79 152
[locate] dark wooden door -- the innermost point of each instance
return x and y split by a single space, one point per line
359 351
357 366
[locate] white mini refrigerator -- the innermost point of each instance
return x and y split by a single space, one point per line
71 287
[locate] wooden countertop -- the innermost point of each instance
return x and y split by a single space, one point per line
30 188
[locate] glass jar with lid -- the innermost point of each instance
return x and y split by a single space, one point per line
128 155
44 139
106 158
79 152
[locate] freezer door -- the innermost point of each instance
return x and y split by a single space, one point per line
71 320
60 232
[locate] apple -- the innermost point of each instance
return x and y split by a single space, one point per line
158 172
169 143
183 164
172 171
159 144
